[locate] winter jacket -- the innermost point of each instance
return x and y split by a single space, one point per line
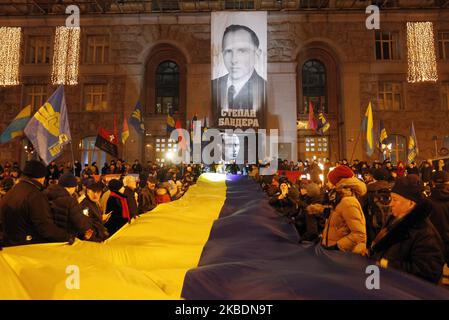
346 226
66 211
95 213
412 244
147 200
118 206
287 206
439 215
132 203
26 216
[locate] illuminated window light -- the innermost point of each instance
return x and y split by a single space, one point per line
422 65
66 56
10 39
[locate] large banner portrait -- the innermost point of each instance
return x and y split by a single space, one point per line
239 69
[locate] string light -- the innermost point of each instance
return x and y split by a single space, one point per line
66 56
10 39
422 65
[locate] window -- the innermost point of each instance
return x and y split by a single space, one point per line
443 45
165 148
390 96
97 51
239 4
167 87
35 95
95 97
38 50
398 151
445 95
387 45
314 86
315 147
89 153
166 5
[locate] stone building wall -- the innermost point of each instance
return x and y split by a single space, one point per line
290 36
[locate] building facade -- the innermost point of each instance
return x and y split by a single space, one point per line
325 55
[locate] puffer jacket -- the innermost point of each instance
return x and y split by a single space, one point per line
346 226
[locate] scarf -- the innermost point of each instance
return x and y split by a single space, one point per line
124 204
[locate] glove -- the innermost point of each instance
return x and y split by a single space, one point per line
71 240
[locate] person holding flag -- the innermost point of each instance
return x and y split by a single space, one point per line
16 127
48 130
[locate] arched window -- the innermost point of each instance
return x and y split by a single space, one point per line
91 154
396 148
314 86
167 87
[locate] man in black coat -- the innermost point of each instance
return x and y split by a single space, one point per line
67 213
440 208
91 206
147 196
130 185
409 242
117 205
242 87
25 210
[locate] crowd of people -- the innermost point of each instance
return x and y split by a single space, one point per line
398 216
58 203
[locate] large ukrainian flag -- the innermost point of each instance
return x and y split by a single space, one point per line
222 240
15 128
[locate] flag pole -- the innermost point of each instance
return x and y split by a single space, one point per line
73 157
355 146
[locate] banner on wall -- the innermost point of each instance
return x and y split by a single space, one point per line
239 69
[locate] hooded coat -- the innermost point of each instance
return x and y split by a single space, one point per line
346 226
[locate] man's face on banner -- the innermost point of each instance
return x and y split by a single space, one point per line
239 54
231 147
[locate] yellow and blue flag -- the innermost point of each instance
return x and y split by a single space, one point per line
49 130
15 128
170 123
323 124
412 144
383 136
368 127
136 119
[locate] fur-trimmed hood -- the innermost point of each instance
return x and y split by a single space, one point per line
355 185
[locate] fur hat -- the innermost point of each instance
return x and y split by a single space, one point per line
67 180
408 187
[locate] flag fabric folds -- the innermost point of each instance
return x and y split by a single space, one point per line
17 125
312 125
107 141
323 124
136 119
412 144
367 126
170 123
383 136
48 130
125 131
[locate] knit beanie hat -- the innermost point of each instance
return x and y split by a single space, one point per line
115 185
67 180
35 169
409 187
340 172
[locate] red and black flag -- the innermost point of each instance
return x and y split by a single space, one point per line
107 142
